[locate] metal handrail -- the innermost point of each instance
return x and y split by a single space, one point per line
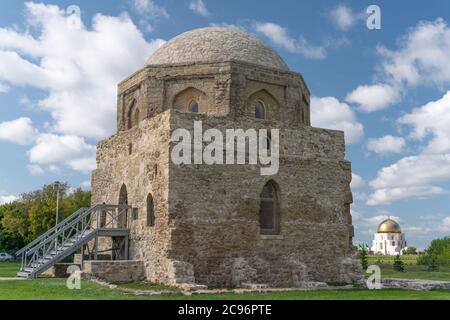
49 232
55 239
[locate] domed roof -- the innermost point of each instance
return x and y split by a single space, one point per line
217 45
389 226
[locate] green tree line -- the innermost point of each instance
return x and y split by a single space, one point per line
438 253
34 213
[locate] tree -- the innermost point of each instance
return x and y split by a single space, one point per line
432 264
410 250
437 253
35 212
363 257
398 264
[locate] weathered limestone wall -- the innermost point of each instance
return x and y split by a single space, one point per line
143 171
227 87
222 240
115 271
207 228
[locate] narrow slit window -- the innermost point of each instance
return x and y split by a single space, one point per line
193 107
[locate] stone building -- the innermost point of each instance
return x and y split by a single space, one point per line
389 239
227 225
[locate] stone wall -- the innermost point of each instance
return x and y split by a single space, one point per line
207 227
227 87
114 271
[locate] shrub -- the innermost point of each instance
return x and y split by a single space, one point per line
398 264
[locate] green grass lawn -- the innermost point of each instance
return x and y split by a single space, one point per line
55 289
9 269
386 260
415 272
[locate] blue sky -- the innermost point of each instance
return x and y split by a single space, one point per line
385 88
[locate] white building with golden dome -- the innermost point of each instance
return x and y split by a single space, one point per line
389 239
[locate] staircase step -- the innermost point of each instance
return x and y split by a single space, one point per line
22 274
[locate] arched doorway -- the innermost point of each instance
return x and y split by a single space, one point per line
122 217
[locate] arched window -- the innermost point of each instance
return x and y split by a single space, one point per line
136 117
132 115
123 213
269 212
260 112
150 211
193 107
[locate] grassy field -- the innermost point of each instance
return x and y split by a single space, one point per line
416 272
386 260
55 289
9 269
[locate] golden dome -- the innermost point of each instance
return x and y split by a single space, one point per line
389 226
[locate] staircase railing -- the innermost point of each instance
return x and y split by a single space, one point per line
49 233
67 236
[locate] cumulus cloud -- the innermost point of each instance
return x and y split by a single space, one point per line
386 144
199 7
19 131
3 88
422 56
78 67
343 17
280 36
149 13
35 170
410 177
7 199
357 182
445 225
374 97
421 59
329 113
73 151
431 120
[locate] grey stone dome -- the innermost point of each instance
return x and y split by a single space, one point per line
217 45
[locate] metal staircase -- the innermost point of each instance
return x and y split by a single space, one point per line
72 233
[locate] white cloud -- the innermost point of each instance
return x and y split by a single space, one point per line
386 144
149 7
279 35
445 225
228 25
35 170
7 199
329 113
19 131
344 18
3 88
86 185
421 59
78 67
422 56
432 119
73 151
357 182
374 97
410 177
199 7
149 13
390 195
